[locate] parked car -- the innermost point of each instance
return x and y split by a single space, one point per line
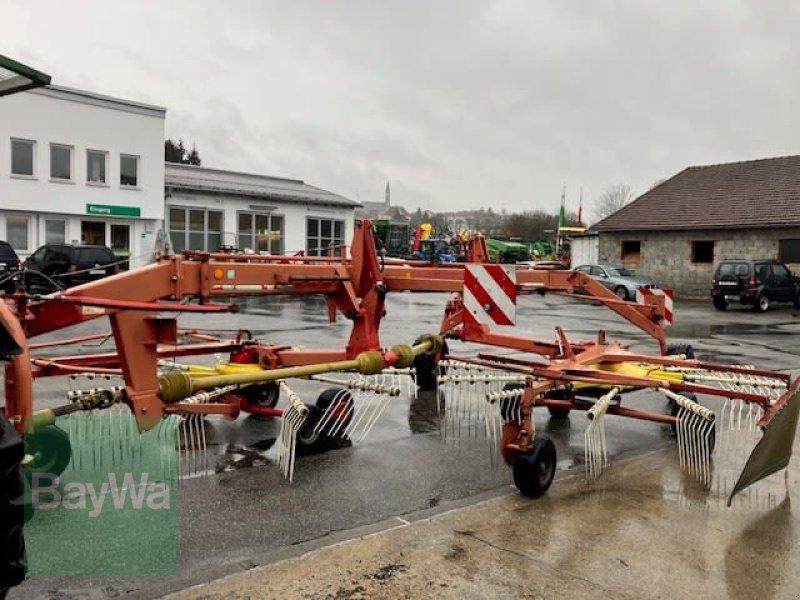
9 266
550 265
69 265
755 282
620 280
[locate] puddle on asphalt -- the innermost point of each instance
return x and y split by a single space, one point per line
423 413
729 458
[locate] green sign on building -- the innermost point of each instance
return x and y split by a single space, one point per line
109 210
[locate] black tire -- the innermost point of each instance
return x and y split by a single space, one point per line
314 441
559 413
797 301
425 367
762 302
685 349
510 408
12 507
50 449
534 470
263 394
720 303
306 436
621 292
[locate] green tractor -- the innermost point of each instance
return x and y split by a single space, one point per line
507 251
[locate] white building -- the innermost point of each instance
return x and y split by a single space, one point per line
209 208
81 167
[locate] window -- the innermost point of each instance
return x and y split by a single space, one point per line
55 231
781 271
195 229
96 166
260 232
22 153
60 162
323 236
703 251
762 272
86 257
120 239
789 251
631 252
128 170
17 232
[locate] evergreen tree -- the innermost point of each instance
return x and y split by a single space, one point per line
176 153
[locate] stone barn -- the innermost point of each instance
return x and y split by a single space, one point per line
680 229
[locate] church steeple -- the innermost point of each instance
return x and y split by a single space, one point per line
388 198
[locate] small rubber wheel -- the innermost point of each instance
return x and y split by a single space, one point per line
534 470
558 413
555 412
675 349
263 394
621 292
306 435
425 367
762 303
341 414
720 303
50 448
340 418
13 507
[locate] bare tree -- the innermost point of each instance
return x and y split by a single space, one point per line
611 200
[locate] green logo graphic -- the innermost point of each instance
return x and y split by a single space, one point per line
101 498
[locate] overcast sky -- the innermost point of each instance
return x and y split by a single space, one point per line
459 104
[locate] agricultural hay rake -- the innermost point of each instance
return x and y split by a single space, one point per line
154 386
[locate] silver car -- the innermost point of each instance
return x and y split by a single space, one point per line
620 280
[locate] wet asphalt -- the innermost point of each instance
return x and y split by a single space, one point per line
245 514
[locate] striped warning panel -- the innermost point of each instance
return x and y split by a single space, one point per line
668 295
490 294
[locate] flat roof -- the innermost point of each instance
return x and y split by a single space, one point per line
95 99
178 176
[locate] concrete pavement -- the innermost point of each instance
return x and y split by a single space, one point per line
643 531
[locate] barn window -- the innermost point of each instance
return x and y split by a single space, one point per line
703 251
631 252
789 250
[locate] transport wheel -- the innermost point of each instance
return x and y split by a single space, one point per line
762 303
534 470
340 418
262 394
558 413
675 349
425 367
306 436
12 507
509 408
720 303
50 448
621 292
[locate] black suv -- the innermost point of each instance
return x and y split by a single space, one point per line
69 265
9 266
757 282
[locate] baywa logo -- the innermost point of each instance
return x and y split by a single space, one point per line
125 493
105 502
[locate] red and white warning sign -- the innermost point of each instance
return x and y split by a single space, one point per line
490 294
668 295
